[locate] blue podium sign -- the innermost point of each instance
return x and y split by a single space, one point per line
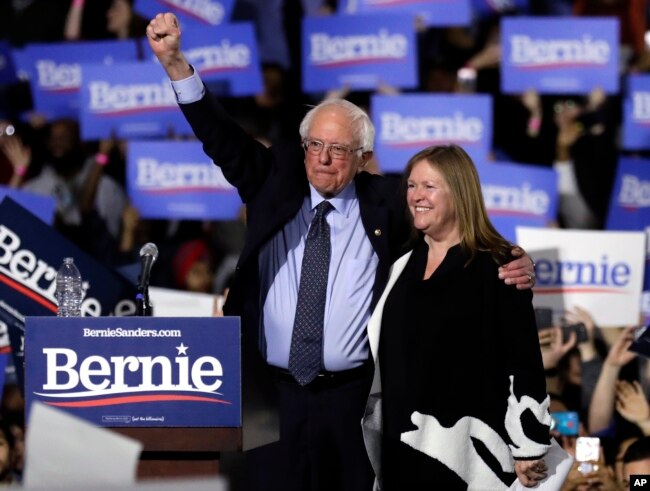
559 55
137 371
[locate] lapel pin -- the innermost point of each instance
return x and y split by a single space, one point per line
377 232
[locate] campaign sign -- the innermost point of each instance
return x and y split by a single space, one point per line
137 371
176 180
599 271
518 194
636 113
14 323
409 123
432 12
488 8
559 55
360 52
189 12
226 53
41 206
31 253
129 100
629 207
55 71
7 67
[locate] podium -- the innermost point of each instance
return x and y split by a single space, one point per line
189 389
181 452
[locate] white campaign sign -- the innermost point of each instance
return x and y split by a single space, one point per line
599 271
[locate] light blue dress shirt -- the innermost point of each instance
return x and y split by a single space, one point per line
349 290
350 281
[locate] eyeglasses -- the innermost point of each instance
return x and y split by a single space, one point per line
336 151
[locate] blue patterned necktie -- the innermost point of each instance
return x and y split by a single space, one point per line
306 353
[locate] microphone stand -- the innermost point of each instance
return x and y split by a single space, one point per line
142 304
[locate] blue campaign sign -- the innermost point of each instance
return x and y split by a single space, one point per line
360 52
13 322
518 195
432 12
489 8
7 66
629 207
636 113
408 123
41 206
189 12
137 371
129 100
226 53
176 180
30 255
55 71
559 55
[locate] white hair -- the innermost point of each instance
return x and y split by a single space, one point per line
363 130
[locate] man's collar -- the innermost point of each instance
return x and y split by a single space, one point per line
342 202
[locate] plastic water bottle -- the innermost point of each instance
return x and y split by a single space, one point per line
68 289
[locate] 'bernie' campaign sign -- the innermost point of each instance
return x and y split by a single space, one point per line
189 12
7 67
559 55
636 113
359 52
176 180
129 100
432 12
227 55
518 195
488 8
137 371
56 73
408 123
629 207
30 255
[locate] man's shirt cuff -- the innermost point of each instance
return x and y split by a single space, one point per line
189 89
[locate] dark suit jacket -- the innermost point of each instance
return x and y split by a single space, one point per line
273 184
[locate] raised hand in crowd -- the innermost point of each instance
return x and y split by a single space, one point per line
553 348
602 478
601 408
19 156
578 315
632 404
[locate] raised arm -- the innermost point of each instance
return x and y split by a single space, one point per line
164 36
601 408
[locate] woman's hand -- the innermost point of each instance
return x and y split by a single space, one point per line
530 472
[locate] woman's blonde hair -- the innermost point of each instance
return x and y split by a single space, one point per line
476 231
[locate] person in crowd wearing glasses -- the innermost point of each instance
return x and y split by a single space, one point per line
284 188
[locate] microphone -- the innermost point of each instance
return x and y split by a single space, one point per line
148 256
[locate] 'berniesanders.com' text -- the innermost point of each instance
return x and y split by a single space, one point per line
131 333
